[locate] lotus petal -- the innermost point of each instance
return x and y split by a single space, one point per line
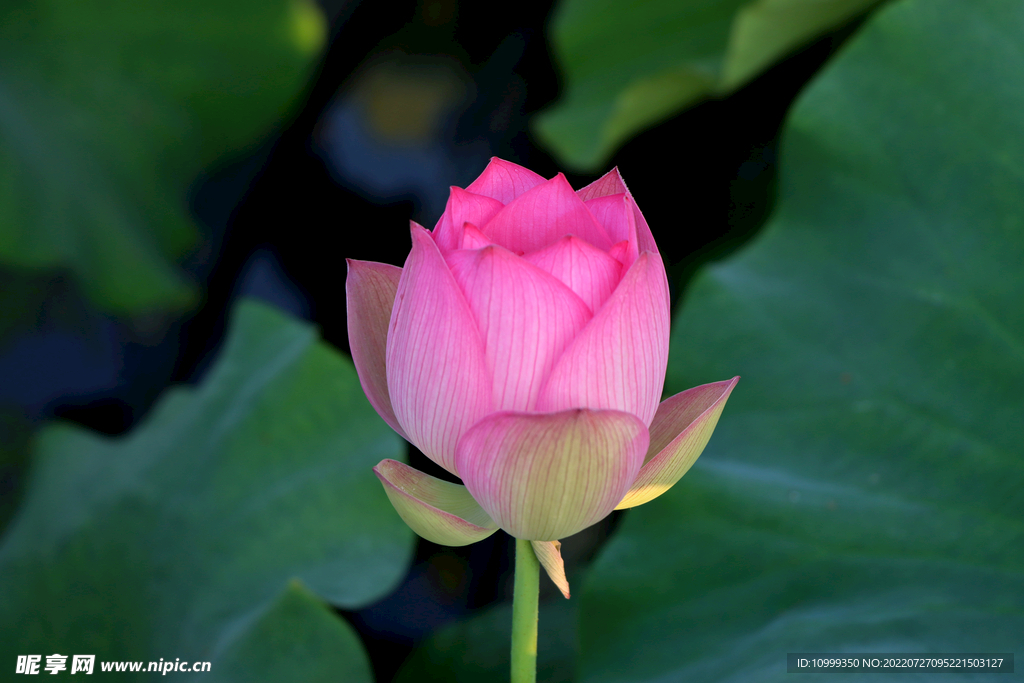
620 252
438 511
615 213
472 238
586 270
504 180
612 183
543 215
550 555
618 361
526 316
679 433
370 294
546 476
438 378
463 207
608 184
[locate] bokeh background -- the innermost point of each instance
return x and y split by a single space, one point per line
184 472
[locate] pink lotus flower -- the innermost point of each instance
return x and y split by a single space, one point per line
523 348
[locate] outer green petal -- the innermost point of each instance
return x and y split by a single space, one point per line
550 555
545 476
680 431
440 512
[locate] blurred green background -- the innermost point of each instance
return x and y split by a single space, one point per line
837 187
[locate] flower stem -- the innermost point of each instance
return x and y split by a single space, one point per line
524 614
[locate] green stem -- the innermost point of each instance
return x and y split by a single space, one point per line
524 614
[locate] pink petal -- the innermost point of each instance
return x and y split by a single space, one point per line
370 294
546 476
608 184
544 215
437 370
526 317
585 269
612 212
644 237
618 361
438 511
620 252
550 555
463 207
612 183
472 238
680 431
504 181
615 213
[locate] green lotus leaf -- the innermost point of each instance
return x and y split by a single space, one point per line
862 492
109 112
185 537
628 66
